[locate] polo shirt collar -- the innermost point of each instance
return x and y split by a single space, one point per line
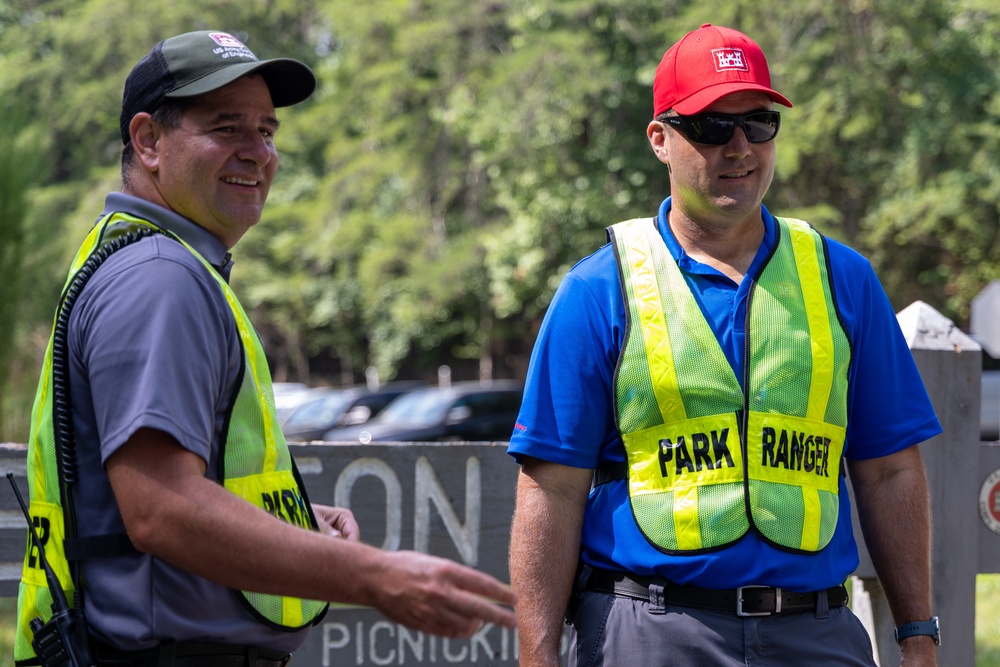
690 265
199 238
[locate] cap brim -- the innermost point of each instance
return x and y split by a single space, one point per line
289 81
703 98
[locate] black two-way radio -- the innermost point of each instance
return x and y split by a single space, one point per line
62 642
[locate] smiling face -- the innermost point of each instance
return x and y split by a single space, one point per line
717 187
215 168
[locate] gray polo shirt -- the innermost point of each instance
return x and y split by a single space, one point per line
153 343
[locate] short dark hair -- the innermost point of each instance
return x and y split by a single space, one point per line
168 114
662 117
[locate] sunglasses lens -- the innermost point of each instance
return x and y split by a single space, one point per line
761 127
713 129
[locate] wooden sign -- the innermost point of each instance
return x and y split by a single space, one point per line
453 500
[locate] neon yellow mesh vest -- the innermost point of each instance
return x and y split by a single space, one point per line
706 462
257 465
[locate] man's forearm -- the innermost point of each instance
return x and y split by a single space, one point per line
894 512
173 512
544 550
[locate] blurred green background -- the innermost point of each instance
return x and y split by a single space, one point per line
460 155
988 620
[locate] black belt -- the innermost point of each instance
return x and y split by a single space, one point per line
190 654
743 601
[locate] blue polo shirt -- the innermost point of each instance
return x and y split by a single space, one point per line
154 344
567 414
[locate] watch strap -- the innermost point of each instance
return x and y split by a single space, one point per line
929 628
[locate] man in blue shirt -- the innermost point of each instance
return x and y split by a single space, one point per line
697 389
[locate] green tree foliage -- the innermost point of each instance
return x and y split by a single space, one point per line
21 168
460 155
466 154
895 140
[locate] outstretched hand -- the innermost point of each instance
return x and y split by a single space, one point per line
337 522
442 597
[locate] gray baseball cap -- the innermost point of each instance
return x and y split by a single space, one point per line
196 63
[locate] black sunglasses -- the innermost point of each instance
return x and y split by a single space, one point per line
717 128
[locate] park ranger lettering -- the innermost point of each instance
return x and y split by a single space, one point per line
708 451
794 450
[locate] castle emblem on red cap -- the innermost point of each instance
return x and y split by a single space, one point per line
729 59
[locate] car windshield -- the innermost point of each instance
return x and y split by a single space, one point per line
423 407
319 412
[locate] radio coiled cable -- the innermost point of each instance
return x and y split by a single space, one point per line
62 404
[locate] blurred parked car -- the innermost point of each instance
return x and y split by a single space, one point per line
288 396
338 408
989 413
467 411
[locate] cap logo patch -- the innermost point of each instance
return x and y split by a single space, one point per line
230 47
729 59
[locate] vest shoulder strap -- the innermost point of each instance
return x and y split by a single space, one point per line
611 472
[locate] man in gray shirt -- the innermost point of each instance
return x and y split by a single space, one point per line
185 525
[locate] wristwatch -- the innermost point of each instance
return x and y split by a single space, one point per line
930 628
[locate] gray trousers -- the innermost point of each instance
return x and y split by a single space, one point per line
612 631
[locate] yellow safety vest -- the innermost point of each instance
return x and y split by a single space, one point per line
257 465
707 461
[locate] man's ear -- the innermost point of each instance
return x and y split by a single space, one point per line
145 134
657 135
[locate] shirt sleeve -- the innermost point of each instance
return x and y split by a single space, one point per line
152 338
889 406
567 413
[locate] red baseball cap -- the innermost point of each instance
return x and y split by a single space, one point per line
707 64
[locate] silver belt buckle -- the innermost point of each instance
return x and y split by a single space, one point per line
739 602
